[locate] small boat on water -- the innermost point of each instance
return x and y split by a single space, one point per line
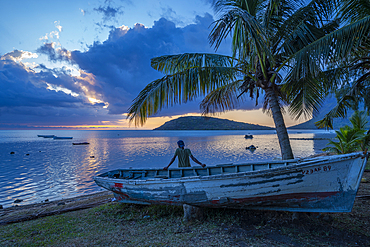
62 137
46 136
319 184
80 143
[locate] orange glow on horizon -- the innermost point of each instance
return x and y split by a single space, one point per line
250 117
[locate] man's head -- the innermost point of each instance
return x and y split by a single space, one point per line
181 143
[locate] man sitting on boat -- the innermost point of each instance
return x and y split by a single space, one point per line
183 155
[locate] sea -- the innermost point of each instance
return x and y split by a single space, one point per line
35 169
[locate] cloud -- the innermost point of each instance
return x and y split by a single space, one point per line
121 64
18 55
27 99
111 74
53 34
108 12
54 53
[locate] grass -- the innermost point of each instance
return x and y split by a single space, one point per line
116 224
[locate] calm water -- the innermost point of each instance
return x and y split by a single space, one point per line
42 168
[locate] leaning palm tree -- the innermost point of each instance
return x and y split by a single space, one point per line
279 50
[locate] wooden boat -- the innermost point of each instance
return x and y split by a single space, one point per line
80 143
46 136
320 184
62 137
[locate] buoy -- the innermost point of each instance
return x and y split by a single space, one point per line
251 147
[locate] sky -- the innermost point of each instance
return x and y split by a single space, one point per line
80 64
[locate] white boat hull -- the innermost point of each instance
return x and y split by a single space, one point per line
325 184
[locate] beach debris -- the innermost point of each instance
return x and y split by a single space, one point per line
248 136
364 180
61 203
1 206
12 153
92 156
46 200
18 200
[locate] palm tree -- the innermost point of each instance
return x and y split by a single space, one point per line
348 141
351 139
279 51
352 75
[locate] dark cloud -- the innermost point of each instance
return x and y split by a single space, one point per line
109 12
25 99
121 64
54 55
113 71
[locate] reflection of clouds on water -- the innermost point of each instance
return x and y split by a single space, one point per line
57 169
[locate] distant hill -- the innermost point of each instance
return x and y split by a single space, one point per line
208 123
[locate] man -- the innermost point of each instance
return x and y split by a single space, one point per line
183 155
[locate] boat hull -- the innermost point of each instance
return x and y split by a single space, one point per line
327 184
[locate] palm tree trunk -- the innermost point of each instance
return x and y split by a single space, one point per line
281 131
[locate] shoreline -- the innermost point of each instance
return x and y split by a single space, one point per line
27 212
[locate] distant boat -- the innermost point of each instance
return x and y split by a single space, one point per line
321 184
62 137
46 136
80 143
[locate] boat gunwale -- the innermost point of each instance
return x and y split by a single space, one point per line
288 168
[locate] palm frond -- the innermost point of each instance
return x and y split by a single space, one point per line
359 120
172 64
340 110
354 10
247 33
222 99
178 88
305 96
333 47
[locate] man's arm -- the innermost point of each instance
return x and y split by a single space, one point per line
197 161
172 160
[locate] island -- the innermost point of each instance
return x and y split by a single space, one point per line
208 123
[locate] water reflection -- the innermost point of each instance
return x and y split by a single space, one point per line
57 169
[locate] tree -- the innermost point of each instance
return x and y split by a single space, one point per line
353 74
279 51
351 139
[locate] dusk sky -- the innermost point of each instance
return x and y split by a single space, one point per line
81 63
